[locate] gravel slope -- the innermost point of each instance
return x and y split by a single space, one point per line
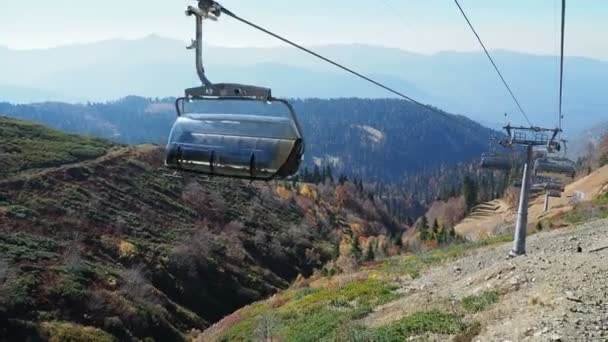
555 293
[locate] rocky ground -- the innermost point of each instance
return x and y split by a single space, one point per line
557 292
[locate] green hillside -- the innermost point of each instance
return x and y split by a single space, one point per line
26 146
100 242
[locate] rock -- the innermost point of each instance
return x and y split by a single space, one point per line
556 337
573 297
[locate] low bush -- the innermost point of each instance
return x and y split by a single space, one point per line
69 332
480 302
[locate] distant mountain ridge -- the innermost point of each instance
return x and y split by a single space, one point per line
456 81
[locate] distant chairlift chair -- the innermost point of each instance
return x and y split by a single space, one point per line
554 167
496 161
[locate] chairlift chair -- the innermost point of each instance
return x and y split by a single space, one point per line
554 193
536 188
555 167
250 146
550 183
496 161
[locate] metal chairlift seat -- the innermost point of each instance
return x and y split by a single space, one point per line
555 167
234 145
246 145
550 183
496 161
536 188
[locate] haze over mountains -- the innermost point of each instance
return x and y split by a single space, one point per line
456 82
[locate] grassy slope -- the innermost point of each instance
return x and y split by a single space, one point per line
334 308
329 308
26 146
100 236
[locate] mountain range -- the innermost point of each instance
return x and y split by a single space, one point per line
458 82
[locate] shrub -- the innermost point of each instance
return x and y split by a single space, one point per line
4 269
63 331
347 263
264 330
194 252
126 249
435 321
17 293
477 303
134 285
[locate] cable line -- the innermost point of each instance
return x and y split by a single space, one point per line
493 64
561 65
300 47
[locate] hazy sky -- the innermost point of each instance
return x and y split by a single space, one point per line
416 25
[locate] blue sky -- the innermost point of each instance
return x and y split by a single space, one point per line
425 26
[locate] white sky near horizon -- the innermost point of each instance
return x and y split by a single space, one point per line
424 26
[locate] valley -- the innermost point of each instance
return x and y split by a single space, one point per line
465 292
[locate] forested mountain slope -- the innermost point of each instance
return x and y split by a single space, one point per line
99 241
377 140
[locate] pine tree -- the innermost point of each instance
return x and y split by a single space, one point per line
328 173
452 233
370 255
355 248
306 175
436 229
423 227
469 191
336 252
443 237
316 175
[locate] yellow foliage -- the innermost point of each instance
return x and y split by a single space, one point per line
373 276
345 246
126 249
283 193
309 192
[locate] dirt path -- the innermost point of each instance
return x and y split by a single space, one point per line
495 217
115 153
554 293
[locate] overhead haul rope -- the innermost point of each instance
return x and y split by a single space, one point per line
215 5
493 63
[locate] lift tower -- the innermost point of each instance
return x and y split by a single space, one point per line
531 138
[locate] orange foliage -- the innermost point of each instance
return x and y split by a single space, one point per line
363 241
283 193
356 228
393 250
433 244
